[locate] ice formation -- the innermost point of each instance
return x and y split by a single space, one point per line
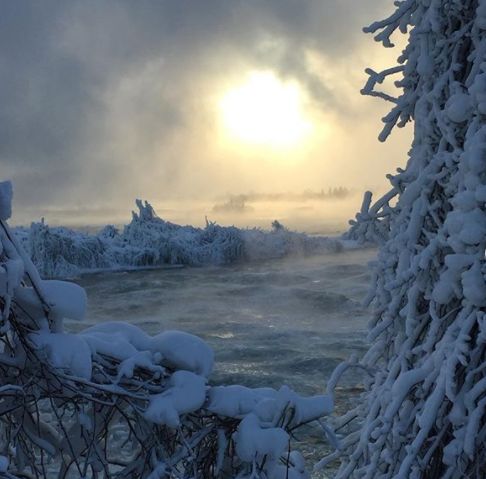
149 241
112 401
424 412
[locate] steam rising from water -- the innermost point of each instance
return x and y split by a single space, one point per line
274 323
277 322
295 211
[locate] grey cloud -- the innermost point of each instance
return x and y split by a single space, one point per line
63 65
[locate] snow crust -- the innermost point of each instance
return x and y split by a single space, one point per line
149 241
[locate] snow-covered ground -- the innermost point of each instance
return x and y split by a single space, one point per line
148 241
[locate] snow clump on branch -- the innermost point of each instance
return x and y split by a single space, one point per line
113 402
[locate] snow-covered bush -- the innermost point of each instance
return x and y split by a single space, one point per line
150 241
114 402
61 252
423 415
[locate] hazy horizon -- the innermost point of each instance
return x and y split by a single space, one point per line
181 103
326 216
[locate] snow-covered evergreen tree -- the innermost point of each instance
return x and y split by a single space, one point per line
424 410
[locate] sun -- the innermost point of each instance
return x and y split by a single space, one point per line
265 111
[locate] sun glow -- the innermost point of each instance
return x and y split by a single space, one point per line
264 111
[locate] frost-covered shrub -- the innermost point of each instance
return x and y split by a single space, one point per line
63 252
260 245
149 241
424 412
113 402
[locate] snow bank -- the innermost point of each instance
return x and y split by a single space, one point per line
149 241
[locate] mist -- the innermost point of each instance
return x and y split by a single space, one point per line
107 102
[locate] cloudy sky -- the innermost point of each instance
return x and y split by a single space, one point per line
186 101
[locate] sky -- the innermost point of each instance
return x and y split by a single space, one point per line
184 103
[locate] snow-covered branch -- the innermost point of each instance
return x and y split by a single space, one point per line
114 402
423 414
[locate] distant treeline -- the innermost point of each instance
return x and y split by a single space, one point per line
240 202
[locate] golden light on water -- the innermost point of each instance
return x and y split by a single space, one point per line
265 111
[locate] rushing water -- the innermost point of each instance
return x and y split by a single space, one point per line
280 322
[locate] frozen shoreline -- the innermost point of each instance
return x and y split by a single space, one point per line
150 242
